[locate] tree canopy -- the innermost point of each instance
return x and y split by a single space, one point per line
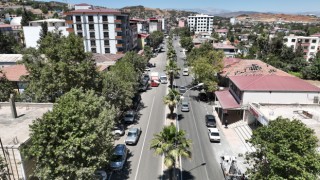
285 149
74 139
6 87
8 44
156 38
3 170
186 42
59 65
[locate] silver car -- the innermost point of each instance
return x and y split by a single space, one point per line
185 106
133 136
129 117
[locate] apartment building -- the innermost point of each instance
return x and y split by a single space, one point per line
309 44
155 24
103 30
200 23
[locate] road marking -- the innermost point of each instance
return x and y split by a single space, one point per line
144 140
194 120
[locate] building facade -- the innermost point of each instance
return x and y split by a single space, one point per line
154 25
200 23
309 44
103 30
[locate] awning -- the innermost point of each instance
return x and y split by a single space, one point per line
226 100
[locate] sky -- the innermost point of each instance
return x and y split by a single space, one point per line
231 5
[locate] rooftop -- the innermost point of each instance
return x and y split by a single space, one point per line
10 57
221 30
94 11
272 83
15 72
82 4
105 60
48 20
222 46
16 131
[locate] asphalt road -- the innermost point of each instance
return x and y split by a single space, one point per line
205 163
142 163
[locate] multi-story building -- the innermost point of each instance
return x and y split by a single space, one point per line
142 25
182 22
133 33
228 50
200 23
309 44
103 30
32 32
154 25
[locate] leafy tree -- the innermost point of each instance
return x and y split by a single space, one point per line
171 99
43 32
59 65
74 139
6 87
186 42
148 52
184 32
3 171
8 44
44 9
313 70
172 70
285 149
26 17
55 15
156 38
139 63
203 50
171 143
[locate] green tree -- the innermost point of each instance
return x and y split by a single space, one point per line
138 62
44 31
171 99
8 44
171 143
172 70
148 52
3 171
313 70
26 17
74 139
6 87
59 65
156 38
285 149
186 42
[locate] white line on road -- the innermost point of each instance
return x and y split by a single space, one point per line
194 120
144 140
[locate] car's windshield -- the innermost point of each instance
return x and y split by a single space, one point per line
129 115
116 158
163 78
132 134
214 134
185 105
211 119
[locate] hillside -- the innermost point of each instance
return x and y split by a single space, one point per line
145 12
269 17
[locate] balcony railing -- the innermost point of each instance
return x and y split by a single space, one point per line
118 29
119 45
70 30
118 37
69 21
117 21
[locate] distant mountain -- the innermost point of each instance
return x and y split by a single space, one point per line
237 13
309 13
209 11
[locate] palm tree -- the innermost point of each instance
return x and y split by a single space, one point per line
171 143
171 99
172 70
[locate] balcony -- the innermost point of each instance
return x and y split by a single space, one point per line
119 45
305 44
118 37
70 30
69 21
118 29
117 21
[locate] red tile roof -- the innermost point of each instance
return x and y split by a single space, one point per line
144 35
226 99
221 30
272 83
15 72
245 67
222 46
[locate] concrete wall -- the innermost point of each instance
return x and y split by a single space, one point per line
279 97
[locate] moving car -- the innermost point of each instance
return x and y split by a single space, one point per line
129 117
185 106
185 72
163 79
182 89
210 121
133 136
119 157
214 135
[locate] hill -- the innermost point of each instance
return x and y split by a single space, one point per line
270 17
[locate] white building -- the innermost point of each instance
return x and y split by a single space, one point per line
309 44
200 23
228 50
103 30
32 32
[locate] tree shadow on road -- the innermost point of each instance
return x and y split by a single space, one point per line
186 175
125 172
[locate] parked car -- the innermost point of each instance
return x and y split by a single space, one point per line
100 175
185 72
210 121
203 96
182 89
163 79
133 136
214 135
136 100
118 130
144 85
119 157
129 117
185 106
146 77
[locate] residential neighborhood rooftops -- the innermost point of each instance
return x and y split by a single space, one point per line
221 30
104 61
223 46
272 83
15 72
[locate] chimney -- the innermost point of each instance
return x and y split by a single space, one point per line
13 106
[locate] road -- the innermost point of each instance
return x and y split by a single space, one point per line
205 164
142 163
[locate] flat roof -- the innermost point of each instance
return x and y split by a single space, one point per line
294 111
16 131
49 20
222 46
10 57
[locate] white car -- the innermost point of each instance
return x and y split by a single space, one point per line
185 72
214 135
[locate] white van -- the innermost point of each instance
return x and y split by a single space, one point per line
185 72
163 79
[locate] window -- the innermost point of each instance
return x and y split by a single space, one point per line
304 53
106 35
93 43
104 18
90 18
79 27
312 47
78 18
293 40
306 40
105 27
314 41
93 50
80 35
106 42
107 50
92 35
91 26
305 47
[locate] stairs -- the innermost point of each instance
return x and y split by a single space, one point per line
244 132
